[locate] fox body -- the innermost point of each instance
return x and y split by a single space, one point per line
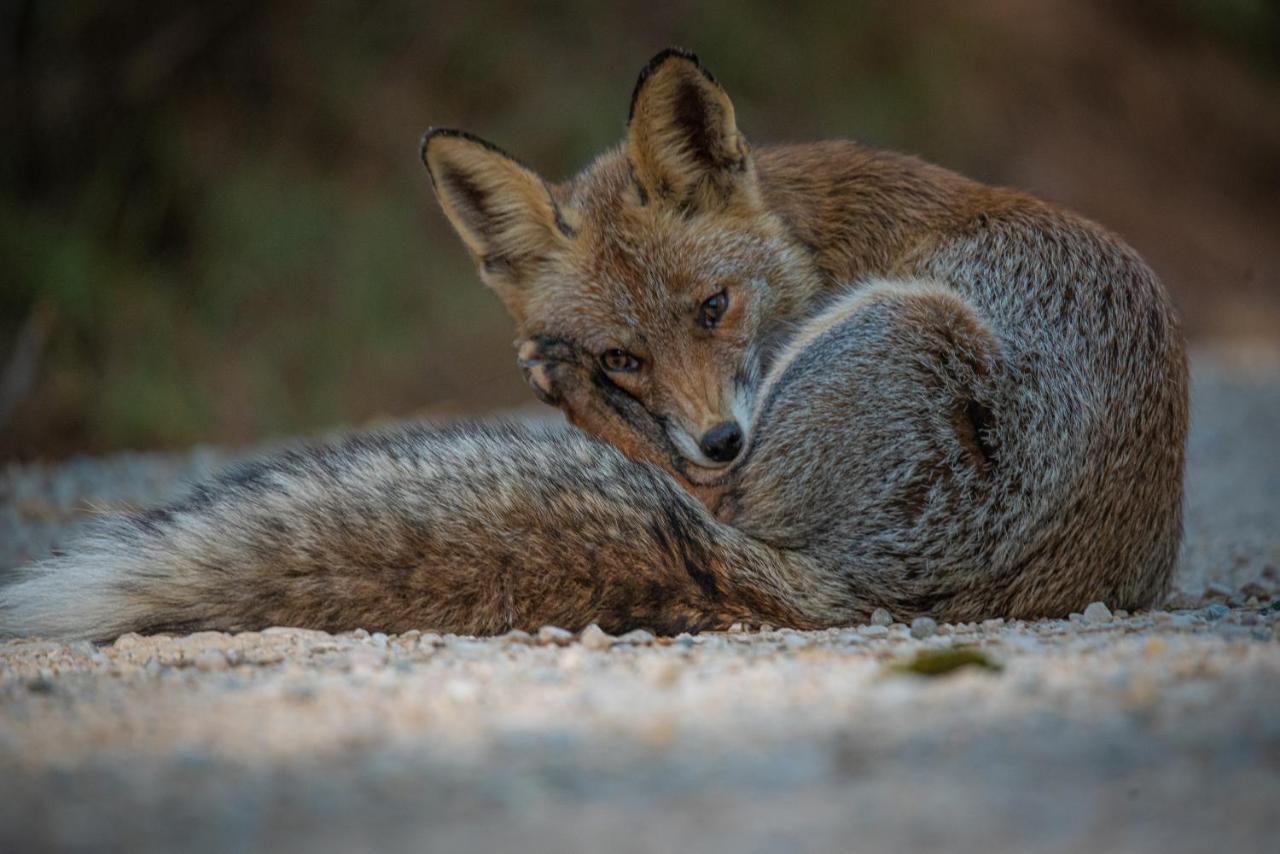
821 379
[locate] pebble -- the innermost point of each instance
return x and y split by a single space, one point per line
301 635
875 631
262 656
1181 601
881 617
923 627
43 683
130 640
554 634
1255 589
594 637
1216 611
1097 613
1216 589
210 660
639 637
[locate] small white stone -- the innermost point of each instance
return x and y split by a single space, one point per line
129 640
554 634
210 660
881 617
875 631
1097 613
594 637
262 656
637 636
923 627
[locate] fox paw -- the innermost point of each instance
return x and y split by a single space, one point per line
548 365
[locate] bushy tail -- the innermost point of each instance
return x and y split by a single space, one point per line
472 531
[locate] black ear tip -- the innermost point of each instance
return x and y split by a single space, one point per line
430 134
435 132
672 51
660 59
453 133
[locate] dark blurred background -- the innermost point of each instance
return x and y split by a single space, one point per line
214 225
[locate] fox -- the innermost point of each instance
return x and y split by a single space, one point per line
803 382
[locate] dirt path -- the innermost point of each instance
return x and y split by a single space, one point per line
1151 732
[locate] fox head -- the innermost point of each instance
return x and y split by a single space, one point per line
645 289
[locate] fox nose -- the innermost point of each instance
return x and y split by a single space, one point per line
722 442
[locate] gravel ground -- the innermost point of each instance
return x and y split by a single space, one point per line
1157 731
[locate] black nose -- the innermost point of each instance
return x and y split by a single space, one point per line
723 441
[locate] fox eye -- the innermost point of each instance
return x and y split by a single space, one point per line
712 310
619 362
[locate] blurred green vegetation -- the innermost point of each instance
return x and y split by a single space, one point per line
214 227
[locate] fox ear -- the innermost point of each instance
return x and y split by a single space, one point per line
682 140
504 213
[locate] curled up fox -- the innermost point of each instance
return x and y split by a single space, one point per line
812 380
